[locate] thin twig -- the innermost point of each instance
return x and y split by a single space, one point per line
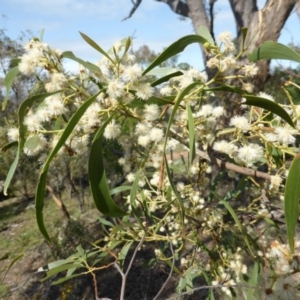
134 8
135 252
224 164
124 275
95 285
212 287
171 271
21 285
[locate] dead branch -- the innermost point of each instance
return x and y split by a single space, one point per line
136 4
224 164
59 202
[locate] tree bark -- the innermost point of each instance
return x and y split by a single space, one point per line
263 25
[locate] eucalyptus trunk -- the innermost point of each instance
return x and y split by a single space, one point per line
263 24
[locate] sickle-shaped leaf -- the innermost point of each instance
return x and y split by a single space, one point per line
123 42
95 46
291 200
61 280
9 145
225 88
120 189
93 68
40 190
270 106
174 49
10 265
253 280
127 45
123 253
182 210
191 125
178 99
152 100
97 177
15 62
8 81
256 101
22 131
238 223
133 192
244 35
166 78
273 50
160 72
61 268
203 31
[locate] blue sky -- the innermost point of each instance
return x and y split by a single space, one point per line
153 24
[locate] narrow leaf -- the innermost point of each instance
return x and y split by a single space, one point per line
291 200
27 103
256 101
253 280
178 99
274 50
112 50
59 269
14 62
40 190
133 193
10 265
203 31
166 78
42 34
127 45
238 223
152 100
270 106
105 222
244 35
123 253
174 49
9 145
52 265
120 189
61 280
208 281
182 210
191 125
8 81
95 46
225 88
93 68
162 71
97 177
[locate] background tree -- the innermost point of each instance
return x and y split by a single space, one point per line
263 24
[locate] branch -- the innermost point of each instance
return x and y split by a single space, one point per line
177 6
243 12
244 286
211 14
134 8
224 164
124 275
171 271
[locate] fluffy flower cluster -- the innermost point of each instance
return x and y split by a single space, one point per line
153 129
286 267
